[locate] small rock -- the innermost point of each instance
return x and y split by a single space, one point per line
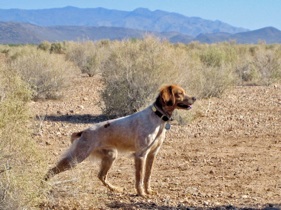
81 107
206 203
217 203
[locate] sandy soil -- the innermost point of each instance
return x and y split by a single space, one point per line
229 157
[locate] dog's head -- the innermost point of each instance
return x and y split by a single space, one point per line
174 97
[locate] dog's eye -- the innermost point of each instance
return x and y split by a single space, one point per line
179 95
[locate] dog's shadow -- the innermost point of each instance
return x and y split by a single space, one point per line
137 205
74 118
151 205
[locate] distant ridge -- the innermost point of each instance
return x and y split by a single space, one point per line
268 34
139 19
71 23
25 33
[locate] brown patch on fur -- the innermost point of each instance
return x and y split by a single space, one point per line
107 125
75 136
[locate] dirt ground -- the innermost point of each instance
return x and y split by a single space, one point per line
229 157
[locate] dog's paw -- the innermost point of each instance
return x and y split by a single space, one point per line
116 189
144 195
151 192
141 193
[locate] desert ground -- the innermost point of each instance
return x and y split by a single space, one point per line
228 157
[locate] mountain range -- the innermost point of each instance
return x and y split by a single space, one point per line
71 23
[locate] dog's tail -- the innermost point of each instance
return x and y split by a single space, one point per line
75 154
75 136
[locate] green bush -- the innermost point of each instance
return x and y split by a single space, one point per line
46 46
212 57
47 74
57 48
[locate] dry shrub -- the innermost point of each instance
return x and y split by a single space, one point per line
57 48
209 81
217 54
136 69
45 46
20 162
87 55
47 74
259 64
134 72
210 69
267 63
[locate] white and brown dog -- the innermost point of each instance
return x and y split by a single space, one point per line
141 133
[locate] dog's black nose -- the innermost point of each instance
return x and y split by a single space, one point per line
193 98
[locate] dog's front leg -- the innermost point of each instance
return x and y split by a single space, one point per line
148 167
139 164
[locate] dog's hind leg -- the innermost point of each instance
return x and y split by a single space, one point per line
108 156
78 152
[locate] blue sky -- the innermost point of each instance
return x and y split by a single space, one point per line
251 14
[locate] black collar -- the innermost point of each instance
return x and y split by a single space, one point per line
159 114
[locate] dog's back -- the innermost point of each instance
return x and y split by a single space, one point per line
124 134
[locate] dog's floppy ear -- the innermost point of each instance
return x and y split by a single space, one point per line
167 95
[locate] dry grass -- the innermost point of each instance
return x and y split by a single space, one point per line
21 163
45 73
87 55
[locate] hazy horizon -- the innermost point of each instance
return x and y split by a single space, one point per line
250 14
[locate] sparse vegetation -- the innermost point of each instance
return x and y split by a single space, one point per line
45 73
57 48
46 46
131 70
87 55
20 160
135 70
